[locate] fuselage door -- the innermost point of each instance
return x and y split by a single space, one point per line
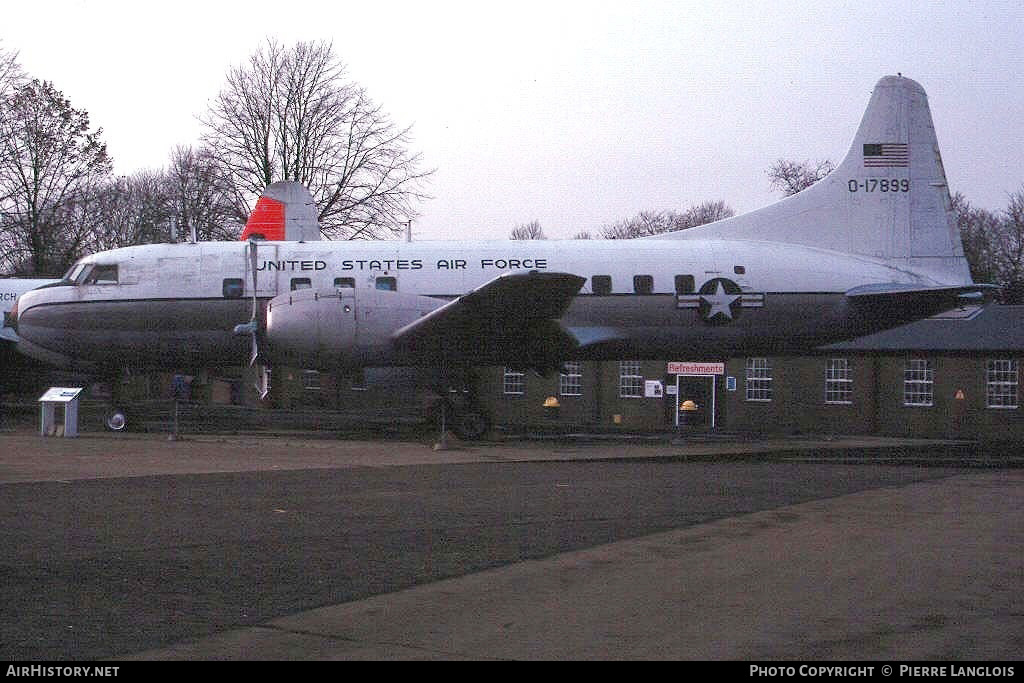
345 326
268 270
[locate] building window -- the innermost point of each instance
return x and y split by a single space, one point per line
601 285
631 382
570 380
838 381
1001 378
918 382
357 382
513 382
759 379
311 380
643 284
301 283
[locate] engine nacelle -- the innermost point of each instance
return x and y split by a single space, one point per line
344 326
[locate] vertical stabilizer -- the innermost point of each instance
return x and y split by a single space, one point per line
285 211
888 199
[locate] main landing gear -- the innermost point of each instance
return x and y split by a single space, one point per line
469 424
456 407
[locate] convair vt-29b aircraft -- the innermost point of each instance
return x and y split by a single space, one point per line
870 246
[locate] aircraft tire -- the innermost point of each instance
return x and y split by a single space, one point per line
116 420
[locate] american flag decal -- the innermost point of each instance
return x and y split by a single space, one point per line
886 155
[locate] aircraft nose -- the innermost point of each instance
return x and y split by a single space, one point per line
49 330
34 323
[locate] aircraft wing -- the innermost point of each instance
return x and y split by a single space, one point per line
512 319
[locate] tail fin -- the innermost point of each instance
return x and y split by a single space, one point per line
285 211
888 198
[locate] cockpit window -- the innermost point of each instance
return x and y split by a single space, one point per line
102 275
74 272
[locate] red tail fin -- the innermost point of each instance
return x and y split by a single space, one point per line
285 211
266 221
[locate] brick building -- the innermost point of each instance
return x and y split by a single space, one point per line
952 376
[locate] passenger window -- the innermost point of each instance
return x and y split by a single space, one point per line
643 284
601 285
739 270
684 284
301 283
233 288
389 284
102 275
341 282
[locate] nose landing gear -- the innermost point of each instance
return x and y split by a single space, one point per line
116 419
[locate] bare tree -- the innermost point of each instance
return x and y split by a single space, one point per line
641 225
11 74
290 114
706 212
647 223
199 195
1010 249
994 244
50 163
528 231
132 210
978 228
790 177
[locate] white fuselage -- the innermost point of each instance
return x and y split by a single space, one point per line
176 304
447 269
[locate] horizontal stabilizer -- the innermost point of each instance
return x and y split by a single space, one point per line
887 304
898 289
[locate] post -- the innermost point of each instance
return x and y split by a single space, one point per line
174 432
46 425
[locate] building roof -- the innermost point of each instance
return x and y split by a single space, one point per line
989 328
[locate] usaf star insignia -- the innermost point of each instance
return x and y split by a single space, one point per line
719 301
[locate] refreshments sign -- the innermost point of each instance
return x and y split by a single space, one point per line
689 368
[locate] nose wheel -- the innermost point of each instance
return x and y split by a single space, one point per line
116 420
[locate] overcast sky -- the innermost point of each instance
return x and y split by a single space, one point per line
576 114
